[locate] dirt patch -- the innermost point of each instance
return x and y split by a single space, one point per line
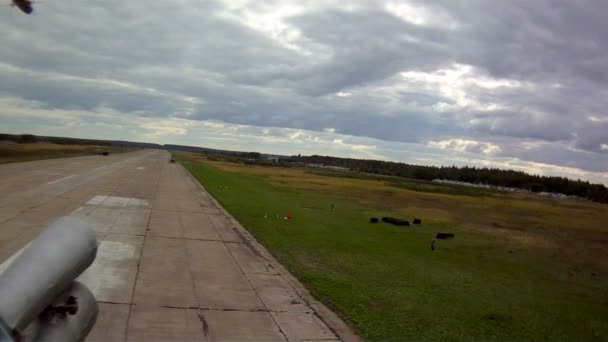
524 239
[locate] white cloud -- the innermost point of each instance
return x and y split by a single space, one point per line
270 18
488 148
344 94
455 83
593 118
464 145
158 128
418 14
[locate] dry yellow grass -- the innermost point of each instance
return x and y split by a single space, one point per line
11 152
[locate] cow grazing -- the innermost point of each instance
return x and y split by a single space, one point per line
395 221
373 220
402 223
417 221
441 236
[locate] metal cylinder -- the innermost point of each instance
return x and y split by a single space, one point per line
44 270
66 328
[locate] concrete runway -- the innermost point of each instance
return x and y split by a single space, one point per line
172 265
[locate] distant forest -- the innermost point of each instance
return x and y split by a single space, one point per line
496 177
30 138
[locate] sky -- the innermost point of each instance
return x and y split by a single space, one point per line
508 84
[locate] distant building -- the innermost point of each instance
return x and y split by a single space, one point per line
337 168
273 158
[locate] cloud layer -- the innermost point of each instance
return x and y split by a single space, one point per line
515 84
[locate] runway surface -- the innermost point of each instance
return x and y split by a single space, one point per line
171 264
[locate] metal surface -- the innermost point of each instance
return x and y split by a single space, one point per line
45 269
66 328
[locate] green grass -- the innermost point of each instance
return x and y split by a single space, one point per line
388 284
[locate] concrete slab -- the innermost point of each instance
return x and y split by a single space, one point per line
97 200
31 218
164 277
134 240
226 291
102 218
189 205
12 241
164 324
164 255
83 211
168 290
197 226
111 277
276 293
164 202
251 326
116 201
224 228
299 326
218 220
111 323
142 201
53 207
228 234
210 256
211 211
165 223
131 221
248 260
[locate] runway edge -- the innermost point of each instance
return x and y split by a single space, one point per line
335 323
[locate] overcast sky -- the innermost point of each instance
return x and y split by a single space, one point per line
510 84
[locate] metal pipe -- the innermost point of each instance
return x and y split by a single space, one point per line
44 270
61 327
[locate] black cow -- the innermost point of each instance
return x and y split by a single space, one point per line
441 236
395 221
417 221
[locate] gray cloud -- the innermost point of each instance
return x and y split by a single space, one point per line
508 74
367 46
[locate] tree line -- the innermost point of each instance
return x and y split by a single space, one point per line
30 138
489 176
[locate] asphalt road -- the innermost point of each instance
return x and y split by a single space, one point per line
171 264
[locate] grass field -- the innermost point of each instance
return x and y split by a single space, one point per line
11 152
520 267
